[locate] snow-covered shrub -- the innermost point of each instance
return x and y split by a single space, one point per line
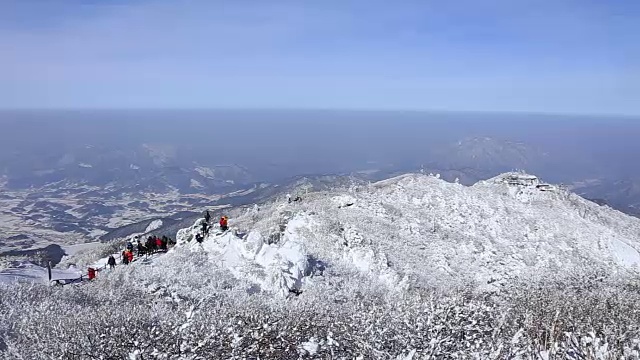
569 317
124 317
7 261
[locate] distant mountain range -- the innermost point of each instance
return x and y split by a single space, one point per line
620 194
90 192
68 177
148 167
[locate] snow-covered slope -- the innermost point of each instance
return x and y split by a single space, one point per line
416 230
28 272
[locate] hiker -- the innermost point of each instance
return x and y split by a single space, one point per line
289 198
141 249
199 238
205 229
111 262
224 223
129 256
129 246
163 243
207 217
158 243
151 244
125 258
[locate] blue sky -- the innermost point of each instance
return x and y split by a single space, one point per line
565 56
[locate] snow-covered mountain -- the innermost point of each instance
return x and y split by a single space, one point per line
418 230
406 268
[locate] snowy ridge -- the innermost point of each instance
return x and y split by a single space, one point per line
420 230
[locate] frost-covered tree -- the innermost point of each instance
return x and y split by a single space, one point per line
596 317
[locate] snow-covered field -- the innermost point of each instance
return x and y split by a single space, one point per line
27 272
36 215
72 250
408 268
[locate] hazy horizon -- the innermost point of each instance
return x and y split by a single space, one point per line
305 141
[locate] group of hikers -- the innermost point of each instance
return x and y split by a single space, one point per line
151 245
206 226
154 243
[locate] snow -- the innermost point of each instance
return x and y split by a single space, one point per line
413 229
419 229
28 272
311 346
154 225
277 268
409 356
343 252
398 237
206 172
196 184
343 200
71 250
624 253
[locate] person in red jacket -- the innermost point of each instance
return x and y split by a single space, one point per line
129 256
158 243
223 223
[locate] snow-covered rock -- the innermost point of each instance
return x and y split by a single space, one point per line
278 268
344 200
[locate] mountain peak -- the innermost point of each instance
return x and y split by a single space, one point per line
422 230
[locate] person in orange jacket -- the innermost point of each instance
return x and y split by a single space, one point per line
224 225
